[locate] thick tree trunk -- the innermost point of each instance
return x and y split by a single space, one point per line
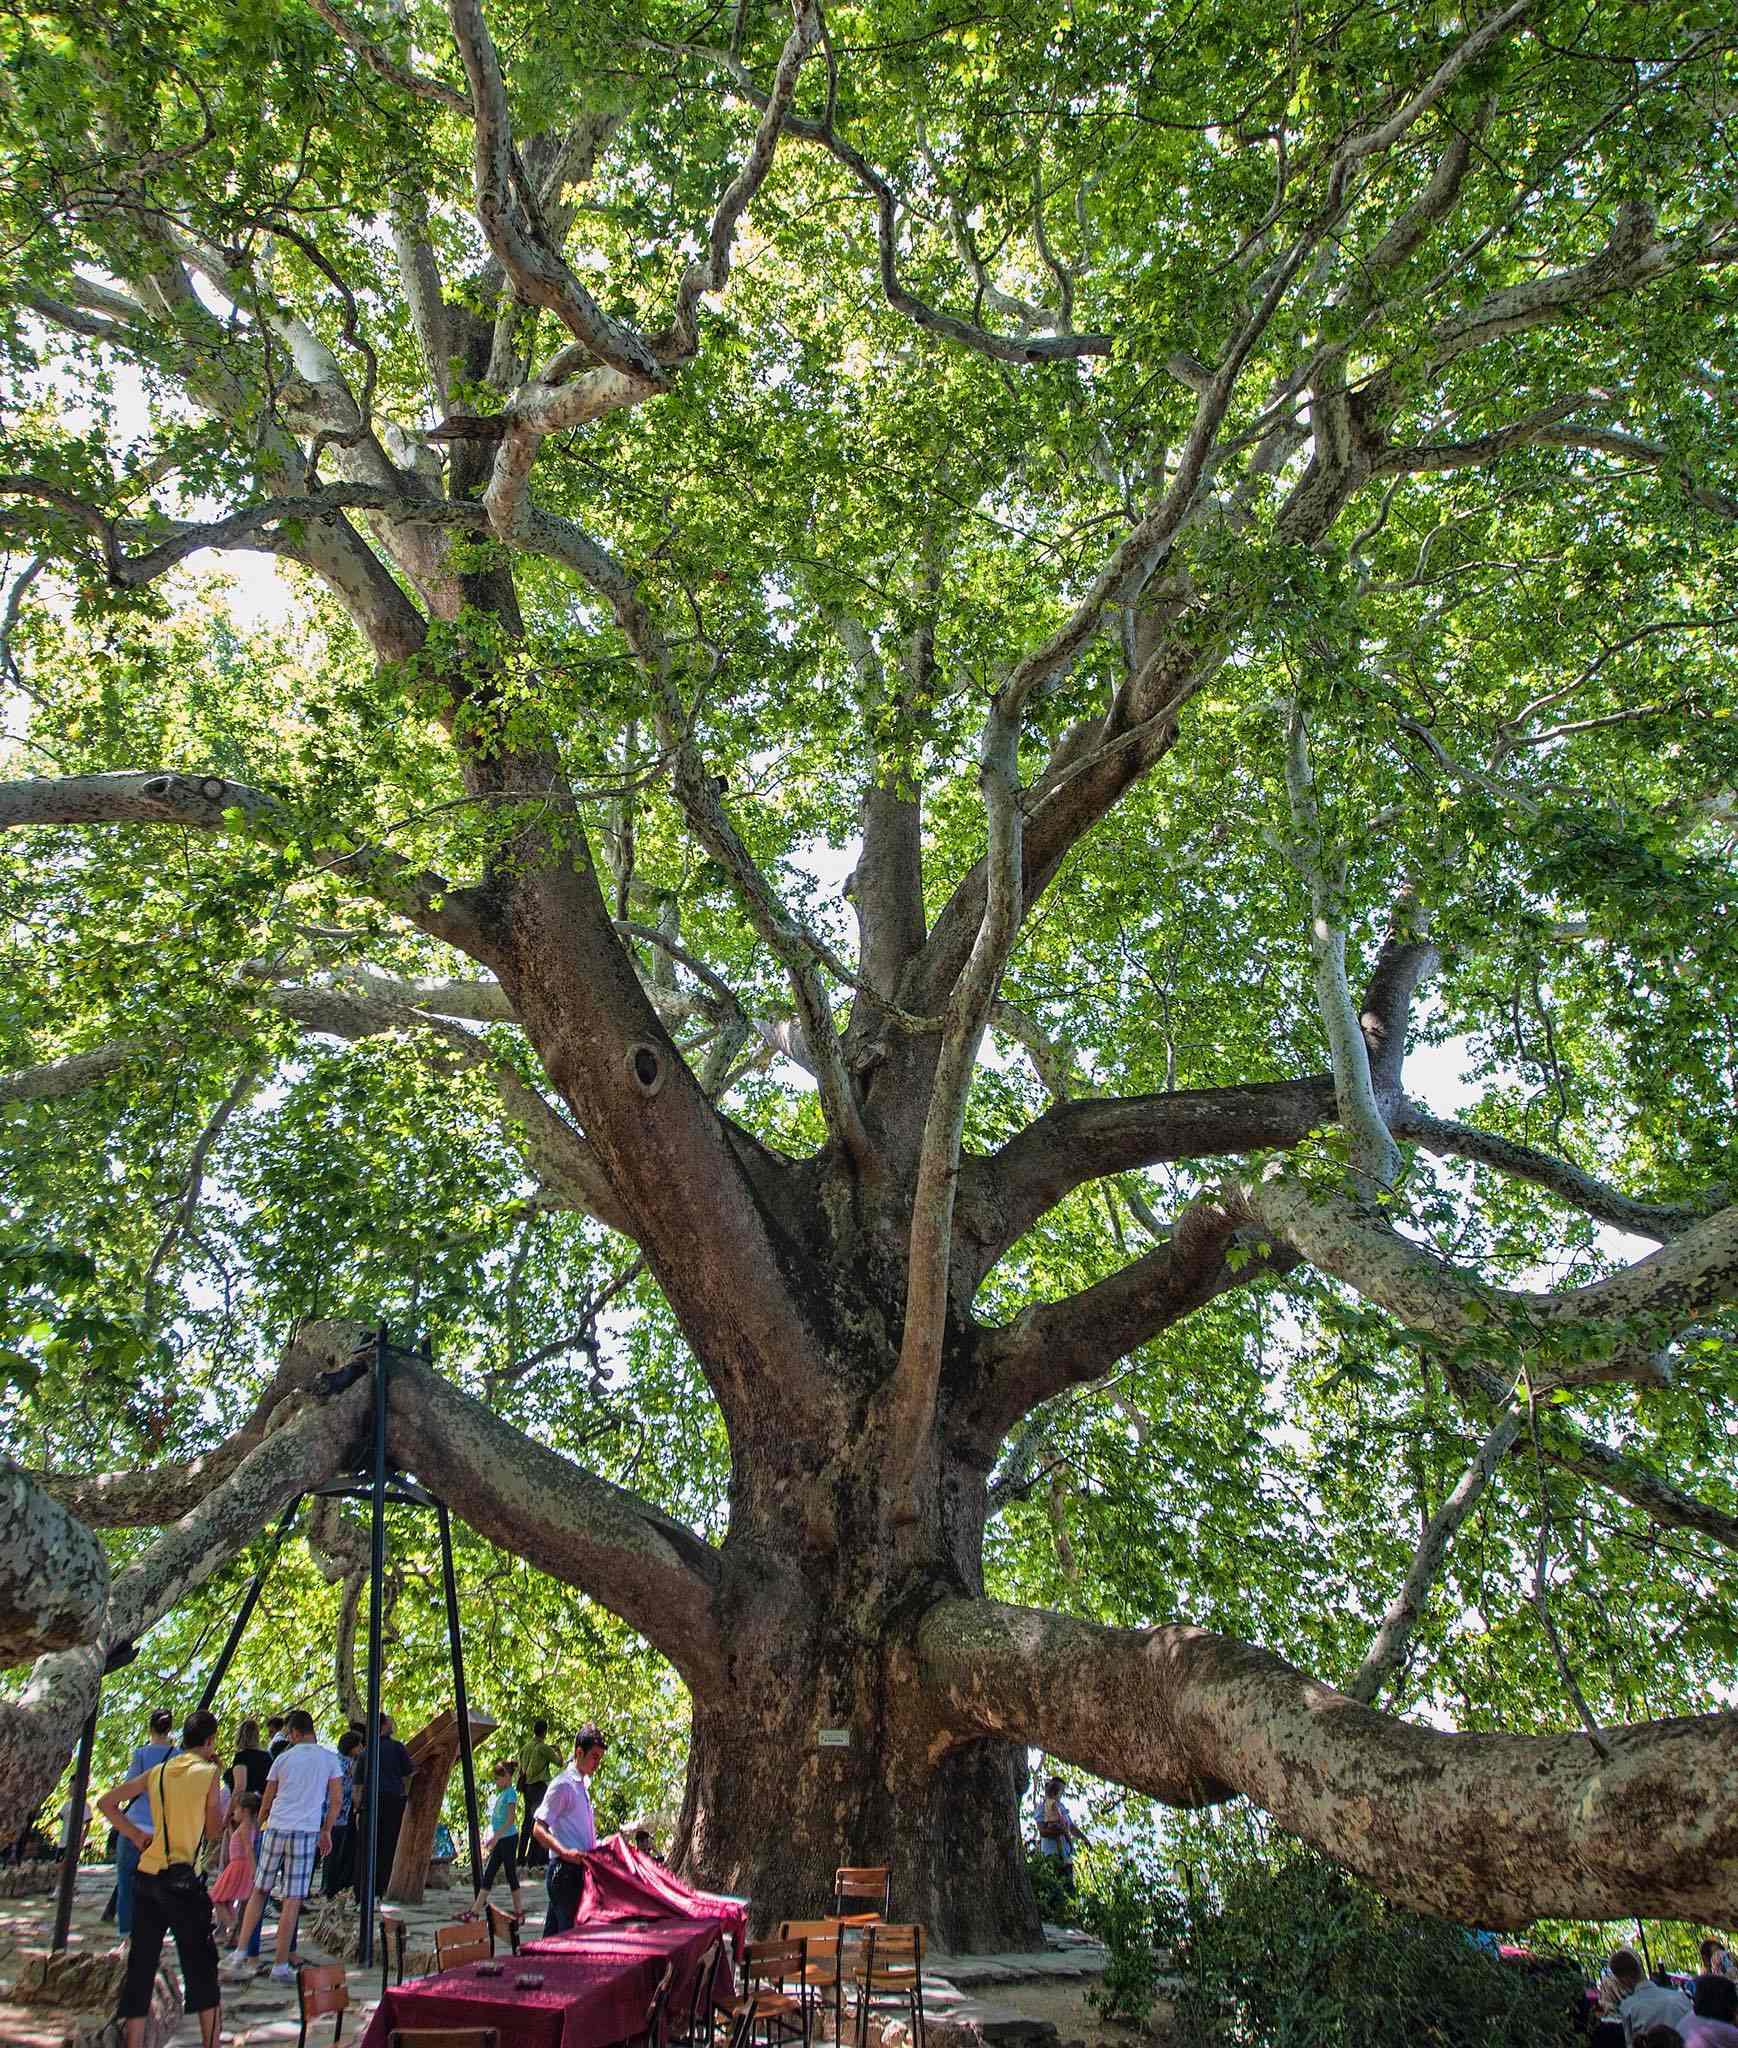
821 1744
770 1813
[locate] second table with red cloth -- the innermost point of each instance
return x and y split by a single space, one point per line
598 1979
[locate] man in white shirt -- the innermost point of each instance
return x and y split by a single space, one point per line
567 1828
1645 2004
296 1818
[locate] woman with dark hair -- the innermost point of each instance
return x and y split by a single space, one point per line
248 1767
184 1797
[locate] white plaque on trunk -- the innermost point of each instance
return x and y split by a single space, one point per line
835 1738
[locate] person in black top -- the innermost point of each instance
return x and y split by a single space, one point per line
276 1739
396 1772
248 1767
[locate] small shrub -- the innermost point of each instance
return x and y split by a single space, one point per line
1306 1957
1056 1903
1132 1914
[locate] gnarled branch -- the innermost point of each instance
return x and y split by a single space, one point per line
1498 1829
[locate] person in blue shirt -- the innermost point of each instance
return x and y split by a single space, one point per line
503 1840
567 1828
146 1757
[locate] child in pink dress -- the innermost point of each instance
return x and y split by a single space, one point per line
235 1880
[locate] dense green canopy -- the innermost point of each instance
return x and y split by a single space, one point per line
1378 364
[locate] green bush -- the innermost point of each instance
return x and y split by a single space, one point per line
1056 1903
1125 1907
1299 1955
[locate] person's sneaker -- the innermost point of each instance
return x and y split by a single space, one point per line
283 1974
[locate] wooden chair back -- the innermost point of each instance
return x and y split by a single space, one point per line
703 1999
657 2010
825 1939
503 1927
860 1886
892 1958
391 1946
465 1941
321 1988
774 1962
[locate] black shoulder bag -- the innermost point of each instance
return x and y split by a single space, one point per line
182 1882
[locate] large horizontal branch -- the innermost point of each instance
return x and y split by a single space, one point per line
37 1729
1614 1324
1061 1344
1003 1194
651 1570
1495 1829
152 1496
212 803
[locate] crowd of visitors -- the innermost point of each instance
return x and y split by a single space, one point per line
205 1848
1635 2010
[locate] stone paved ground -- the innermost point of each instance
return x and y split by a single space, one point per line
971 1998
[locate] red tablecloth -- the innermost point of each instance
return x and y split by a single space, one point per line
621 1884
597 1983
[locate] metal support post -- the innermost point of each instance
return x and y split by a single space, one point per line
72 1840
460 1703
249 1599
373 1880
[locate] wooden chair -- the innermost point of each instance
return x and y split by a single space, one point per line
444 2037
702 2002
321 1988
856 1891
825 1975
504 1927
767 1968
465 1941
392 1938
657 2011
887 1973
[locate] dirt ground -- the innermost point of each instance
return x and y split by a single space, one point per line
1066 2005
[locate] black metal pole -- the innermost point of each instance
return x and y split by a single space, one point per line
73 1837
466 1762
374 1880
249 1599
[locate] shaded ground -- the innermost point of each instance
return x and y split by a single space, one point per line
1044 1987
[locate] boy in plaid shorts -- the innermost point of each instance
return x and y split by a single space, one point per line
296 1815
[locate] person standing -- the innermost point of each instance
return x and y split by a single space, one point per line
502 1840
248 1766
235 1880
296 1817
567 1827
276 1740
1057 1833
542 1761
340 1870
182 1799
158 1749
396 1772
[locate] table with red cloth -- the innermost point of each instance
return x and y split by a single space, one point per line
598 1978
622 1883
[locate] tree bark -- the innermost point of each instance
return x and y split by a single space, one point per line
1499 1829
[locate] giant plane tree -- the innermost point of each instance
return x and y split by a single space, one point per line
967 780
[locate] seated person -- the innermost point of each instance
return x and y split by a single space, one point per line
1714 2014
1644 2004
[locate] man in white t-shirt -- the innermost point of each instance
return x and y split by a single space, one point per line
296 1818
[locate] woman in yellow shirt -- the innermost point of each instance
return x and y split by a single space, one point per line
186 1811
